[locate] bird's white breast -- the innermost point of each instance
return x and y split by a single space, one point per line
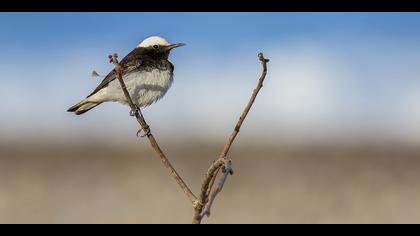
145 87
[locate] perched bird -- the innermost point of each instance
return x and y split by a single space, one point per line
147 74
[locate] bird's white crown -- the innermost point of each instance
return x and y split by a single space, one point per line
154 40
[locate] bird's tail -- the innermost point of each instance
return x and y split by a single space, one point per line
83 107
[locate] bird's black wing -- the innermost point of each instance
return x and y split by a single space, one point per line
129 63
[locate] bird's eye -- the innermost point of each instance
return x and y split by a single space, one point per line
155 46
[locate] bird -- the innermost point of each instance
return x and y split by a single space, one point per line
147 74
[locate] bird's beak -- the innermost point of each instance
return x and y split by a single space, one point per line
172 46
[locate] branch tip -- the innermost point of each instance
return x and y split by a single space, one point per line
261 58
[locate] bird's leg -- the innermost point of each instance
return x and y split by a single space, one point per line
136 110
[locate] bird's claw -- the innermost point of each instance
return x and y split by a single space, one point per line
136 110
146 132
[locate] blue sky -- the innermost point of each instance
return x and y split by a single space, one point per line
47 32
331 74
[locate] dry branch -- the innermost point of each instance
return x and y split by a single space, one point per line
203 204
135 110
203 209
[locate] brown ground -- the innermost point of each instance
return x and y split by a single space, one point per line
84 184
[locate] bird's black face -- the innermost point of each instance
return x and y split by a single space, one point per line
162 51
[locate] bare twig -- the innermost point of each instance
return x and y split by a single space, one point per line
248 106
212 182
135 110
204 207
226 172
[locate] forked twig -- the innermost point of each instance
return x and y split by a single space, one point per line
203 204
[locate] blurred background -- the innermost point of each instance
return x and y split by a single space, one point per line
333 137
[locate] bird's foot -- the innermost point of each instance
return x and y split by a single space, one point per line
136 110
146 131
